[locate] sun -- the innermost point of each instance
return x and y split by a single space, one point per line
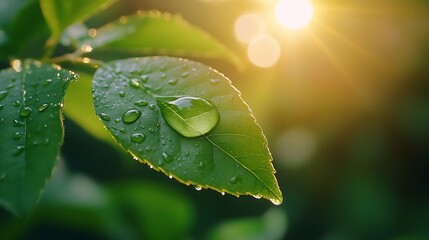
294 14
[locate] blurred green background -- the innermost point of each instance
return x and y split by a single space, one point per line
346 112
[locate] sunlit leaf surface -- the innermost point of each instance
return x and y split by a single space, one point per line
130 97
158 33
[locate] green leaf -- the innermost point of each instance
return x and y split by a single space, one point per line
15 38
271 226
159 33
60 14
233 157
31 130
152 208
78 105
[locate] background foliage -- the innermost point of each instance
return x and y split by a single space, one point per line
349 136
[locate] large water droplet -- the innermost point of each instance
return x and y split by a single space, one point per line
104 116
166 157
137 137
198 188
189 116
3 94
131 116
25 111
43 107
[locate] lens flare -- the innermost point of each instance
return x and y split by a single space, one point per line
294 14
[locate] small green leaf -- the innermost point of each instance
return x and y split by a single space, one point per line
31 130
159 33
60 14
233 157
78 106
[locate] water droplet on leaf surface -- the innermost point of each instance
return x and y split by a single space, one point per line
167 157
25 111
18 150
131 116
104 116
17 135
47 81
137 137
189 116
3 94
172 81
43 107
275 201
135 83
141 103
17 123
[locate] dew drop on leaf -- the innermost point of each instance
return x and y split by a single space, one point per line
172 81
25 111
135 83
121 94
3 94
189 116
275 201
47 81
257 196
137 137
131 116
17 123
43 107
198 188
18 150
104 116
17 135
166 157
141 103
